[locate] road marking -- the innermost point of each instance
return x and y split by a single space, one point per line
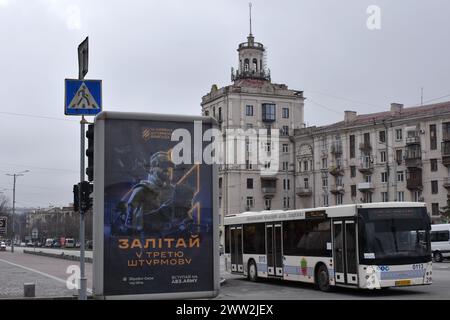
40 272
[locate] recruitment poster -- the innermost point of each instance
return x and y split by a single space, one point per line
157 230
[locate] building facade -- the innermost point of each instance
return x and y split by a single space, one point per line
252 101
398 155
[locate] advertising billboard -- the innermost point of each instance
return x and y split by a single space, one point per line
155 207
3 223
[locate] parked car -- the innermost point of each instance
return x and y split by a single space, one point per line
2 246
70 243
440 241
30 244
23 244
89 244
77 244
49 242
56 244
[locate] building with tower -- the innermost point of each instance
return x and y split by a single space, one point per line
253 101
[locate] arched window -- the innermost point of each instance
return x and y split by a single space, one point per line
246 64
255 65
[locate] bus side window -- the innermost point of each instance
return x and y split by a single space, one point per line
433 237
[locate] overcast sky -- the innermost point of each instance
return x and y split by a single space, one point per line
162 56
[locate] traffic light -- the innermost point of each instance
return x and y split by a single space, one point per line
76 198
85 189
90 152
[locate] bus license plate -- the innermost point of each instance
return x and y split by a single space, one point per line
402 283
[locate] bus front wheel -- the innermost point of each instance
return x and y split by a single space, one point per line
323 278
252 271
437 256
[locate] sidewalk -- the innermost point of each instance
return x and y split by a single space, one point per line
12 279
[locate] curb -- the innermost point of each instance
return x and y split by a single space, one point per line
58 256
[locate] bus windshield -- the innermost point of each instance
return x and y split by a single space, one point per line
394 236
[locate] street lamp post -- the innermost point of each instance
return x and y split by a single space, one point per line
15 175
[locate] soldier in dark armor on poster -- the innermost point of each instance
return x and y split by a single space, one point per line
156 206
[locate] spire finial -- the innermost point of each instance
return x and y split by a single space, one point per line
250 11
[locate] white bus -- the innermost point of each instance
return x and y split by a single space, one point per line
373 245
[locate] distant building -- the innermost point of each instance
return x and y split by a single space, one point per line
52 222
252 101
398 155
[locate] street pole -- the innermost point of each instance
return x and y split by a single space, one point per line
13 211
82 295
14 175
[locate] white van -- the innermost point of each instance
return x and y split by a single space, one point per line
440 241
70 243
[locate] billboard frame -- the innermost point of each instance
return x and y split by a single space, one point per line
98 208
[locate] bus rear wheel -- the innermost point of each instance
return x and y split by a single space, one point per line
252 271
437 256
323 278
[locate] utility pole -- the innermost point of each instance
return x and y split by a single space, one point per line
15 175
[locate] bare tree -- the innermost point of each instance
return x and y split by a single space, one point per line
3 205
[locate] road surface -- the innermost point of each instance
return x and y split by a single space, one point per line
50 275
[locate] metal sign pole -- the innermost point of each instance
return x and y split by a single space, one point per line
82 295
83 54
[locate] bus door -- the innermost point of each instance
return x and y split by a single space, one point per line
273 248
344 239
236 249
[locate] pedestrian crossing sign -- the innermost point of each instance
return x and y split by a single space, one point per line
82 97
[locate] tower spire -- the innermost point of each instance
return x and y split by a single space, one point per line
250 13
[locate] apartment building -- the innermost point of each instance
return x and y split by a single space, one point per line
398 155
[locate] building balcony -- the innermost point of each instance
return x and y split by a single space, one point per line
337 189
365 187
304 192
414 184
250 74
412 140
413 162
365 146
414 179
268 185
366 167
268 190
337 171
446 183
445 151
446 160
446 132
